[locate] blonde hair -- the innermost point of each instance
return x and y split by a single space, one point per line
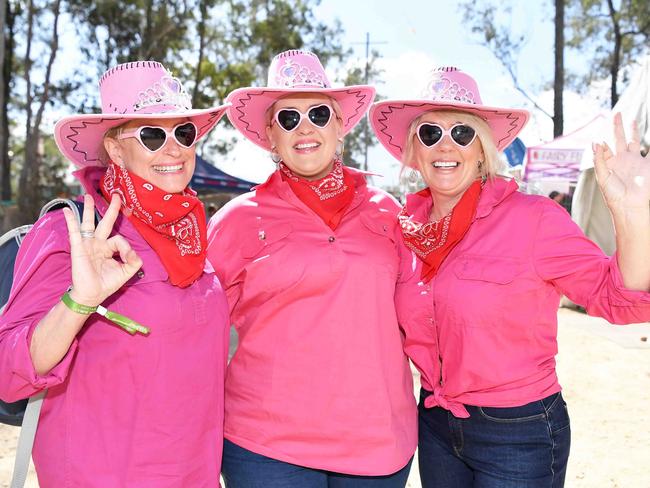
491 165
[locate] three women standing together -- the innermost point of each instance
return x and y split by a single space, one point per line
329 283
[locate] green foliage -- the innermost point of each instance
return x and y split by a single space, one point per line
213 46
610 34
593 29
113 32
491 23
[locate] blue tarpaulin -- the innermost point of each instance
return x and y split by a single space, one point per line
209 178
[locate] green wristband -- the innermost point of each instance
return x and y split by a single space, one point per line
77 307
131 326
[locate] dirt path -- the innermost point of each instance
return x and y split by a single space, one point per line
605 372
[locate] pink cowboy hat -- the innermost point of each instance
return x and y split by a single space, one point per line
293 72
449 89
130 91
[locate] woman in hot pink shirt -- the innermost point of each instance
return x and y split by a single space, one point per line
319 392
123 410
482 273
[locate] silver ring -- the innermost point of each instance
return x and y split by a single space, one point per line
87 233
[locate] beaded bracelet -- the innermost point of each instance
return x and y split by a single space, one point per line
129 325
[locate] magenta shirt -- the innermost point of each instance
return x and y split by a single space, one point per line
483 331
319 378
120 410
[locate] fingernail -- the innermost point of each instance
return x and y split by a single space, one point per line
593 146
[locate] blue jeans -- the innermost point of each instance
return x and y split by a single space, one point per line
515 447
242 468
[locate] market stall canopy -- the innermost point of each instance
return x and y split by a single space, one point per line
562 157
209 178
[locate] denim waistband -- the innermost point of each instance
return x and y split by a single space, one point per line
533 407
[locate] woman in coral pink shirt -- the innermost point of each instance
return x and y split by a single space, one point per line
319 392
482 273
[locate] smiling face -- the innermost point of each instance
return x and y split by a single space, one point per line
170 168
307 150
447 168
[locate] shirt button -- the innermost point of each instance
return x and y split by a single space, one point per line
140 274
331 239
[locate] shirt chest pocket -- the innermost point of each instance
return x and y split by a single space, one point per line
273 260
487 269
380 247
483 289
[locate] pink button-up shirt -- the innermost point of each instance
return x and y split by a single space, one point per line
120 410
319 378
483 331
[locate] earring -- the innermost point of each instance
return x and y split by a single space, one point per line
479 165
340 148
275 157
413 176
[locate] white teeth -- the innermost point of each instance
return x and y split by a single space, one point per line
168 169
445 164
306 146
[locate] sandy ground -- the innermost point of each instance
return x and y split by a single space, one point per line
605 372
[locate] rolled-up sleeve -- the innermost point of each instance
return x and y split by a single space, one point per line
580 270
41 275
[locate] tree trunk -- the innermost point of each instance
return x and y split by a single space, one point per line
558 84
146 31
616 55
197 76
7 69
29 189
5 168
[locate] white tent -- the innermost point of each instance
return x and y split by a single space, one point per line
589 209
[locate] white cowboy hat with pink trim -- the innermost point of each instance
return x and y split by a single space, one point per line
291 72
448 89
130 91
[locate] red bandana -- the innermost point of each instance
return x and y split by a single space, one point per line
329 197
433 241
172 224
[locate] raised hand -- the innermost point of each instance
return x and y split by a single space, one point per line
96 274
623 176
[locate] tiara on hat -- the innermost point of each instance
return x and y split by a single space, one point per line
292 73
167 91
442 88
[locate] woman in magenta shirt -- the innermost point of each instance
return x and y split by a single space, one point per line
482 273
319 392
123 410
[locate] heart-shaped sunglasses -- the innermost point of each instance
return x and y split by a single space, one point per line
289 118
431 134
153 138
